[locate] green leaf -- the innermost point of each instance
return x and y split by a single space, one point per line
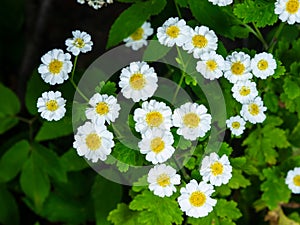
71 161
271 101
122 215
294 136
155 51
182 3
227 209
279 71
225 149
9 213
13 159
222 191
108 88
207 220
291 88
238 180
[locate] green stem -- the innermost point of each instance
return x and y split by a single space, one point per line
177 9
260 36
185 176
275 37
74 67
182 75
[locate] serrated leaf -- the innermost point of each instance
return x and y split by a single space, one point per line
238 180
271 101
141 184
72 162
291 88
222 190
9 213
122 215
279 71
227 209
207 220
108 88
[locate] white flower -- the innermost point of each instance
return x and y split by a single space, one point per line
288 10
293 180
51 106
237 67
216 170
200 40
161 179
254 111
263 65
81 1
195 199
192 120
153 114
236 124
93 142
157 145
55 66
96 4
221 2
80 42
173 31
138 81
139 38
104 108
244 91
211 65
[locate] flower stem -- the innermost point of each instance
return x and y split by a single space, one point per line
182 75
257 34
74 67
275 37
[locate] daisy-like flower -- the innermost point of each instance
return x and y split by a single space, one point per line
293 180
173 31
97 4
192 120
236 124
103 108
221 2
81 1
138 81
195 199
200 40
288 10
80 42
237 67
55 66
93 142
211 65
244 91
216 170
139 38
51 106
254 111
161 179
157 145
153 114
263 65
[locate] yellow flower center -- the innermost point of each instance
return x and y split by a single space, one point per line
138 34
296 180
244 91
292 6
79 42
137 81
52 105
216 168
102 108
173 31
163 180
157 145
197 198
235 125
199 41
55 66
253 109
211 65
93 141
154 119
191 120
237 68
262 64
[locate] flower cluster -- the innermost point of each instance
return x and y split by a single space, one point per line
96 4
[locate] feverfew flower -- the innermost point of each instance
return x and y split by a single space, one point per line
103 108
173 31
288 10
139 38
195 199
200 40
138 81
221 2
153 114
237 67
293 180
81 1
161 179
80 42
157 145
211 65
263 65
55 66
51 106
93 142
192 120
254 111
236 124
216 170
244 91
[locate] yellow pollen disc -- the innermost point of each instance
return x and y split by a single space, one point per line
216 168
292 6
163 180
79 42
244 91
296 180
52 105
197 199
173 31
191 120
237 68
93 141
102 108
211 65
138 34
262 64
154 119
55 66
253 109
137 81
199 41
235 125
157 145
